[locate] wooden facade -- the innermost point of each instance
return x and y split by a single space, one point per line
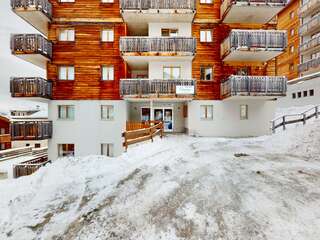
5 137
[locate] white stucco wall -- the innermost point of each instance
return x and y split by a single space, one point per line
87 131
184 29
226 118
156 69
19 144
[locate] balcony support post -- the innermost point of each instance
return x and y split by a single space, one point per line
151 111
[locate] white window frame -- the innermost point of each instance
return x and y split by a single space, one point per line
107 1
107 112
107 149
66 112
67 1
107 72
206 1
67 35
107 35
61 151
244 112
66 73
206 112
206 35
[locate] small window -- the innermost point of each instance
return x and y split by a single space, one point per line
107 35
205 36
292 32
37 145
206 112
67 35
67 1
107 149
291 14
206 1
206 73
291 67
171 72
27 144
107 73
305 93
166 32
107 112
299 94
66 73
66 112
107 1
292 49
65 150
294 95
311 92
243 112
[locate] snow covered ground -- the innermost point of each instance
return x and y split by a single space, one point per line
176 188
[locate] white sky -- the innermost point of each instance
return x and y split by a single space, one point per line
9 64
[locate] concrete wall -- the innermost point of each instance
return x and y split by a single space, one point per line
19 144
184 29
156 69
226 118
87 131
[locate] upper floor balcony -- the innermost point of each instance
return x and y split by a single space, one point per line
31 130
31 87
157 88
310 66
33 48
311 45
253 45
311 26
254 86
250 11
36 12
309 8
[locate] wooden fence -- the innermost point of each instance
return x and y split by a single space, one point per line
147 131
295 118
28 167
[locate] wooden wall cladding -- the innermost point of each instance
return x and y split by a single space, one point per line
87 54
208 13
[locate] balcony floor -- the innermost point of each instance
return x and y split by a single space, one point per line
36 59
252 96
251 56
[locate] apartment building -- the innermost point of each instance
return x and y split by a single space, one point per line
5 137
203 67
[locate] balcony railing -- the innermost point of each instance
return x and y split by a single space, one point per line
309 7
31 87
312 25
311 44
140 87
308 65
31 130
5 138
268 40
158 45
237 85
40 5
157 4
31 44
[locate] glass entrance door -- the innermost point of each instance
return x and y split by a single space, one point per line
160 114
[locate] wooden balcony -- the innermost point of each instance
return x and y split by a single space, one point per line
146 88
31 130
250 11
313 45
33 48
309 8
310 27
33 87
5 138
310 66
253 45
36 12
254 86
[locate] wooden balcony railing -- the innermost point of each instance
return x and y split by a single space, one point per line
140 87
41 5
309 7
254 86
157 4
271 40
311 44
31 130
31 44
308 65
158 44
5 138
31 87
312 25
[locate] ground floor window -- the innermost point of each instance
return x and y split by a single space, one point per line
2 146
65 150
244 112
206 112
107 149
37 145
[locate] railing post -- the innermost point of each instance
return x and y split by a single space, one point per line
273 127
284 122
304 119
317 111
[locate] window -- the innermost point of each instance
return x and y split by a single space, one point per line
291 67
292 49
292 32
67 35
206 73
107 112
37 145
2 146
107 35
66 112
171 73
205 36
2 131
206 112
107 1
294 95
165 32
67 1
305 93
311 92
66 73
291 14
65 150
243 112
107 73
206 1
107 149
299 94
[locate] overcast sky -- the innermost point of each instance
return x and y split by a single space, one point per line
9 64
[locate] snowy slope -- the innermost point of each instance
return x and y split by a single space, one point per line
176 188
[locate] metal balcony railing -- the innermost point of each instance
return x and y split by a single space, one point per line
271 40
138 87
308 65
310 26
309 7
158 44
157 4
31 44
312 43
41 5
237 85
31 130
30 87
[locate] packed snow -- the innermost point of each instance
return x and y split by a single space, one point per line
176 188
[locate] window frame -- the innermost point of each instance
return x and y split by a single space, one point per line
207 116
110 114
206 36
205 68
67 72
107 40
68 116
60 30
244 116
107 67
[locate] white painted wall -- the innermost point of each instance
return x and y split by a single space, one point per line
184 29
19 144
226 118
87 131
156 68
